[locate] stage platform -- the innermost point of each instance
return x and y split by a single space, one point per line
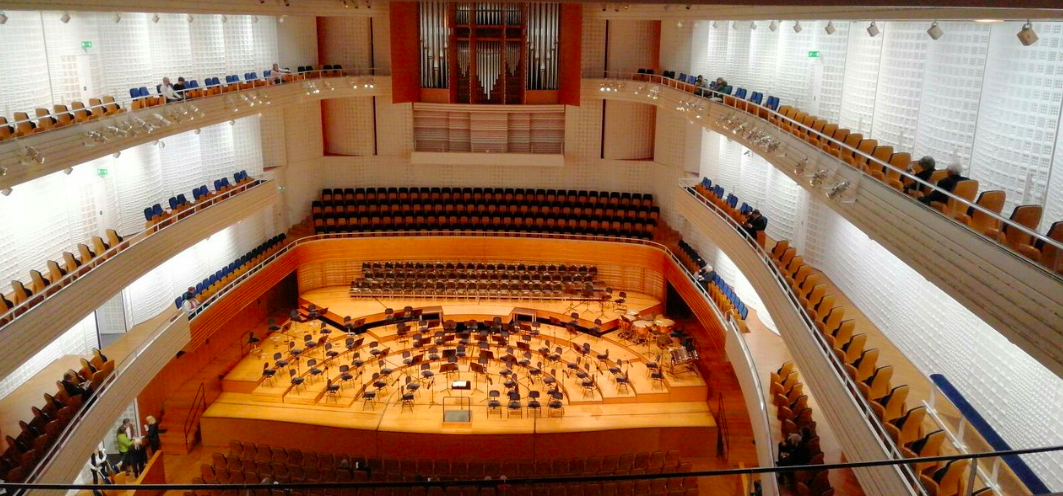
607 393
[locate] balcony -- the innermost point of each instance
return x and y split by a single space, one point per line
40 324
1019 298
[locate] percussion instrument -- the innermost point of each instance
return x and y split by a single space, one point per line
642 329
664 325
682 356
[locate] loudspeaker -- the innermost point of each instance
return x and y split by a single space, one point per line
1027 36
935 31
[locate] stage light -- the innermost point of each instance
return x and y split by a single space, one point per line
116 154
830 29
797 26
254 19
116 17
282 19
5 191
196 131
68 171
734 24
873 30
679 24
232 122
3 18
65 18
346 5
1027 36
190 18
155 18
935 31
753 25
773 26
715 24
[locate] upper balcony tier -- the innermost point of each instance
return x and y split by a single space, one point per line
1020 298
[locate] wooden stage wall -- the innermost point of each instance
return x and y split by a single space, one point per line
461 445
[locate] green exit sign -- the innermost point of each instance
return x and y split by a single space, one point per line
86 44
813 54
101 172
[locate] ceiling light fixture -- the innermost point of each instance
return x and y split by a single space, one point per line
116 17
1027 36
773 26
116 154
3 18
935 31
190 18
797 26
830 29
734 24
65 18
155 18
753 25
873 30
715 24
68 171
5 191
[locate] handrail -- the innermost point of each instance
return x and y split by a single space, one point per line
858 399
502 483
125 103
127 361
55 287
671 83
190 419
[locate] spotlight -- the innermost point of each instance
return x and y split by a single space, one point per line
190 18
65 18
232 122
830 27
797 26
753 25
196 131
155 18
346 5
626 6
254 19
734 24
162 144
224 18
773 26
935 31
715 24
116 17
1027 36
873 30
5 191
3 20
282 19
68 171
116 154
28 155
3 171
679 24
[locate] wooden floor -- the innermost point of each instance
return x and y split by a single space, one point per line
677 403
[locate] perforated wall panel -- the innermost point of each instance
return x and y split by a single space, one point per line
633 45
348 42
23 64
900 83
861 80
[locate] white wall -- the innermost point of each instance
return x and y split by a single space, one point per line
297 41
976 95
39 53
79 340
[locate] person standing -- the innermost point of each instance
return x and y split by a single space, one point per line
151 433
754 224
125 442
138 456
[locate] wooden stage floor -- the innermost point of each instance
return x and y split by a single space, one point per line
644 415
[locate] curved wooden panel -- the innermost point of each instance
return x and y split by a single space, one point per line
46 321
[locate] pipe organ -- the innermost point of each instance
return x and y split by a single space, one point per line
489 52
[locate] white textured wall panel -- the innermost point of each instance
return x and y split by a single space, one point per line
900 83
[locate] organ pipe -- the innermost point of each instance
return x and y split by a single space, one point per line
434 35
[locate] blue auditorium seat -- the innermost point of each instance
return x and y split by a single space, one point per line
267 73
148 214
757 97
181 200
740 93
173 203
179 301
157 209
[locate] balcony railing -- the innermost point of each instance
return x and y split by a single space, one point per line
872 420
617 80
87 267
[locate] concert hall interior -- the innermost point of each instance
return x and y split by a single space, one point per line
516 248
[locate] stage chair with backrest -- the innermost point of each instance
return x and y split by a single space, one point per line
953 207
1051 257
1028 216
980 221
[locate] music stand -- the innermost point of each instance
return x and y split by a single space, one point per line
477 369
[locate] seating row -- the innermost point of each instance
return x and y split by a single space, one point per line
500 196
637 487
479 267
722 294
37 437
795 415
156 214
868 155
216 281
690 84
728 204
142 98
63 116
483 209
41 285
639 230
375 467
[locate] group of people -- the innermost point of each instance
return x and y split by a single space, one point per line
927 167
133 450
795 451
175 92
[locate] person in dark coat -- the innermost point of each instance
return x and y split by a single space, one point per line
755 223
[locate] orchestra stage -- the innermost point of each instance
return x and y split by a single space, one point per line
605 397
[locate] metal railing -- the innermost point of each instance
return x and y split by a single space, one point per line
505 486
870 418
199 405
713 96
55 287
188 95
90 406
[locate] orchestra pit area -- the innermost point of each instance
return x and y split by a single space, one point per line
415 359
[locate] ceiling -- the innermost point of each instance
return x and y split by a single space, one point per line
645 9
